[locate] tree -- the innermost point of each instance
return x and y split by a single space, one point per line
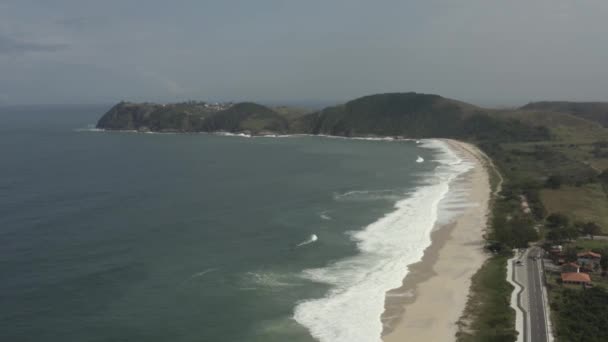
603 176
591 229
554 182
558 235
557 220
570 232
604 261
570 254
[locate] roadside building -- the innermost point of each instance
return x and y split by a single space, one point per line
556 253
571 267
589 260
556 249
576 278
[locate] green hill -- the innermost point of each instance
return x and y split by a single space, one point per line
177 117
192 117
562 125
415 115
592 111
246 117
409 115
127 116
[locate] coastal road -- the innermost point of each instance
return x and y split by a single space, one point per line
536 309
529 274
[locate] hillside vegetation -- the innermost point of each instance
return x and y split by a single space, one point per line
193 117
551 156
592 111
415 115
409 115
246 117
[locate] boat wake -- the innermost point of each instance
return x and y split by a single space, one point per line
202 273
310 240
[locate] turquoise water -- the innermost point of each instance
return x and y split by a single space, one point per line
110 236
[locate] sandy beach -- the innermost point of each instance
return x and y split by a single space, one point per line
435 291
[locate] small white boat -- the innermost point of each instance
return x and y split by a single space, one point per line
420 159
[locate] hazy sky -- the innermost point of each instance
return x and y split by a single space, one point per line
490 52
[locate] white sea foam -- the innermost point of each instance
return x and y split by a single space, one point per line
310 240
270 280
229 134
89 128
325 216
351 310
368 195
202 273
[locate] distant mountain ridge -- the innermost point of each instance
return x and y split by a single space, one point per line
592 111
409 115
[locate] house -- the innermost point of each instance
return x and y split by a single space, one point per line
556 253
571 267
577 278
589 259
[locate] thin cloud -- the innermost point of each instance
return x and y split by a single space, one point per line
82 23
10 45
171 86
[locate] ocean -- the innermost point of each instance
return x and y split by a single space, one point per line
118 236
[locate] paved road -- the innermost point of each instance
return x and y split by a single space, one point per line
529 275
536 307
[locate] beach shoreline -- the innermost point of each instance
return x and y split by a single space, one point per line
434 293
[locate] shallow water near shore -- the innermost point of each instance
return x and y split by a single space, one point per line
199 237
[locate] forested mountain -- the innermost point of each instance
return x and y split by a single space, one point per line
409 115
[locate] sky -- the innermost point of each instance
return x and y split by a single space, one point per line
488 52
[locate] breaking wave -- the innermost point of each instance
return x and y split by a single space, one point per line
310 240
351 310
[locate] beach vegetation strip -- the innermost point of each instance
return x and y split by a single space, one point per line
488 316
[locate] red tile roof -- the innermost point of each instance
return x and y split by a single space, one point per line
576 277
590 253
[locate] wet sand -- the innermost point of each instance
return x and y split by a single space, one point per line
435 291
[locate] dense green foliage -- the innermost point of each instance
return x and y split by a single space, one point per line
409 115
182 117
581 315
511 227
127 116
531 164
193 117
488 306
592 111
415 115
246 116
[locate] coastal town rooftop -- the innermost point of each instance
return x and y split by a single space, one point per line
576 278
590 255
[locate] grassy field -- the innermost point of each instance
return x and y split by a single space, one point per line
585 244
585 203
525 167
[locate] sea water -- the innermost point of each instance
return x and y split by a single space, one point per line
194 237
